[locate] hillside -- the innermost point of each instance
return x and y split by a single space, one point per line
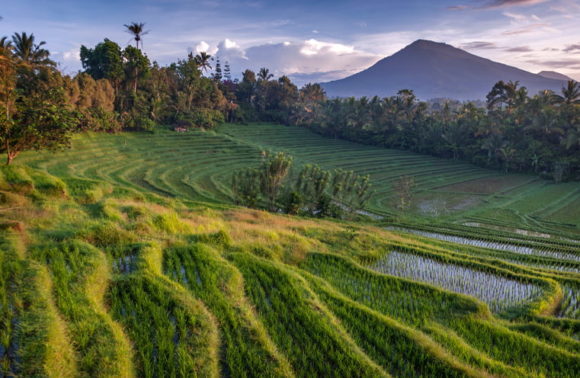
435 70
554 75
113 270
198 166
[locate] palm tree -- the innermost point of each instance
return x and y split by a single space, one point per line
136 28
264 74
28 52
5 48
202 60
5 43
510 94
570 93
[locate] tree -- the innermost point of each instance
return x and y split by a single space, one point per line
136 66
312 185
26 51
350 189
105 61
570 93
227 71
94 100
404 190
311 93
7 83
246 187
202 60
264 74
41 120
507 94
309 104
247 88
217 76
137 30
273 171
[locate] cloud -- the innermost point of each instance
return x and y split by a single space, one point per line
570 48
315 47
202 46
478 45
304 61
492 4
230 50
563 63
72 55
519 49
510 3
527 29
515 16
458 7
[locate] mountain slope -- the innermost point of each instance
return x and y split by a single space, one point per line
554 75
434 70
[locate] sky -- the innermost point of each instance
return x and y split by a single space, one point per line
308 40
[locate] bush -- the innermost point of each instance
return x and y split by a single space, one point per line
202 118
140 123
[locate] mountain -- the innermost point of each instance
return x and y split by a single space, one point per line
554 75
432 70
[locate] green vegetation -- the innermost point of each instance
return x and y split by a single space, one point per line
199 166
107 272
126 255
312 192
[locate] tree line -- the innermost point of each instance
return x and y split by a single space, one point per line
513 131
118 89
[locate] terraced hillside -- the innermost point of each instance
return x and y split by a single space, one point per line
108 278
198 166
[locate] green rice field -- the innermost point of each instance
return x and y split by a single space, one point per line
125 257
198 166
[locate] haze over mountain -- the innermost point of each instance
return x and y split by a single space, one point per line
434 70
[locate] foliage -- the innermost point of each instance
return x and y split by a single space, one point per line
81 296
40 118
515 133
104 61
313 192
246 187
404 187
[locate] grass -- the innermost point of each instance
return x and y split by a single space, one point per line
125 257
246 346
78 272
198 166
498 292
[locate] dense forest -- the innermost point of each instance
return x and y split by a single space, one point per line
121 89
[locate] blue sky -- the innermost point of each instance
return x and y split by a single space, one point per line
309 40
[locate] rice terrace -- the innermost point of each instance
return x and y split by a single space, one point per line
169 207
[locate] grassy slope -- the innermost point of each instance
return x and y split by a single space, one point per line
97 270
198 166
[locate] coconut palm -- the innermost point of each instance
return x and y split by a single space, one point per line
28 52
5 48
5 44
570 93
136 28
202 60
264 74
509 94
